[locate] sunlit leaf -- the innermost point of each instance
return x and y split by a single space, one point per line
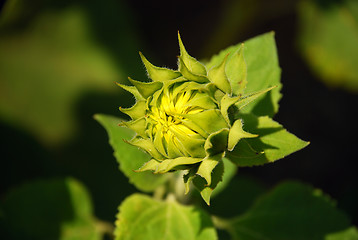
129 157
141 217
263 71
273 142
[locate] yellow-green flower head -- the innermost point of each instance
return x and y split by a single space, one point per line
185 118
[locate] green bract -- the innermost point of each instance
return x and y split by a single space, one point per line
187 119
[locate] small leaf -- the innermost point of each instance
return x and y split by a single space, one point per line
136 111
133 90
263 71
129 157
188 177
217 142
158 73
237 133
146 89
147 145
291 211
230 170
245 156
225 103
168 164
141 217
209 120
274 142
216 177
191 63
151 165
159 144
138 126
245 100
207 166
238 81
217 76
191 145
184 70
201 100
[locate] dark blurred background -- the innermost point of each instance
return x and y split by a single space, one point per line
59 61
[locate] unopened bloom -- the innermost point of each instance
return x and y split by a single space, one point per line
186 119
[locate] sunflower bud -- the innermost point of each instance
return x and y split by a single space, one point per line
186 118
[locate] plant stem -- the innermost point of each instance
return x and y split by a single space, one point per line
159 192
105 228
221 223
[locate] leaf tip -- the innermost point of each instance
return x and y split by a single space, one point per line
96 116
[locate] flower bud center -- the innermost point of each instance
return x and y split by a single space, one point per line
169 113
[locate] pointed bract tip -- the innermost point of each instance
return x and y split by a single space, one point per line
142 56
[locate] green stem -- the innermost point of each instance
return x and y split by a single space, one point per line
221 223
159 192
105 227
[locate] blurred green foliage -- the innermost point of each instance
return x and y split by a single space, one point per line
328 37
292 210
46 67
52 209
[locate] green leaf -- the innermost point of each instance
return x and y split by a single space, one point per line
141 217
184 70
146 89
216 143
133 90
147 145
51 209
216 177
237 70
207 166
137 111
328 39
348 234
185 60
225 103
158 73
46 68
217 75
241 190
208 120
168 164
129 157
237 133
248 98
263 71
230 170
137 126
291 211
273 143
